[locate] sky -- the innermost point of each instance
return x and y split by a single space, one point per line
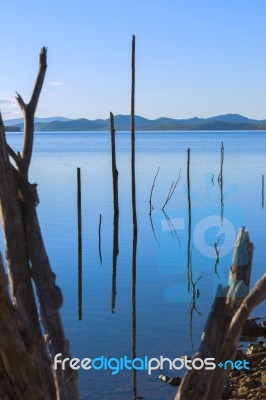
193 57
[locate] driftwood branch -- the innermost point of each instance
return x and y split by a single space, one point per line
29 111
152 189
171 191
26 259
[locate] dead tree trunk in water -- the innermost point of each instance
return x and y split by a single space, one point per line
28 265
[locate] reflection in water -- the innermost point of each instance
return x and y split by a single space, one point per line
192 286
217 253
220 181
152 208
172 228
114 260
100 241
134 309
194 296
262 191
79 245
189 264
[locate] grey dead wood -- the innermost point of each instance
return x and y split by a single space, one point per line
221 334
24 373
27 260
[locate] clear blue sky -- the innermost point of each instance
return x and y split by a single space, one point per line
193 57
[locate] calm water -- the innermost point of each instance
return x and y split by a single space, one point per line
166 324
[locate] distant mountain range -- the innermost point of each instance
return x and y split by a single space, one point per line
122 123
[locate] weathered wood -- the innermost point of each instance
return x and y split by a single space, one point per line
114 168
79 244
133 173
221 181
221 326
134 220
29 111
27 258
152 189
21 377
115 251
171 191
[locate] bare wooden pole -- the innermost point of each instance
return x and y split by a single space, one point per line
115 213
221 181
152 189
133 177
79 244
134 219
114 168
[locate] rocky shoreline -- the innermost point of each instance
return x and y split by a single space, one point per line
249 384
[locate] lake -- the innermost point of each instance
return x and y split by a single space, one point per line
171 261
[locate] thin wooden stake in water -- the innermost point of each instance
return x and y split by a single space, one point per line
133 179
262 191
134 220
79 245
151 193
220 181
100 241
114 168
189 264
116 212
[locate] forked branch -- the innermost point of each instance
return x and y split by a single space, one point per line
29 111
